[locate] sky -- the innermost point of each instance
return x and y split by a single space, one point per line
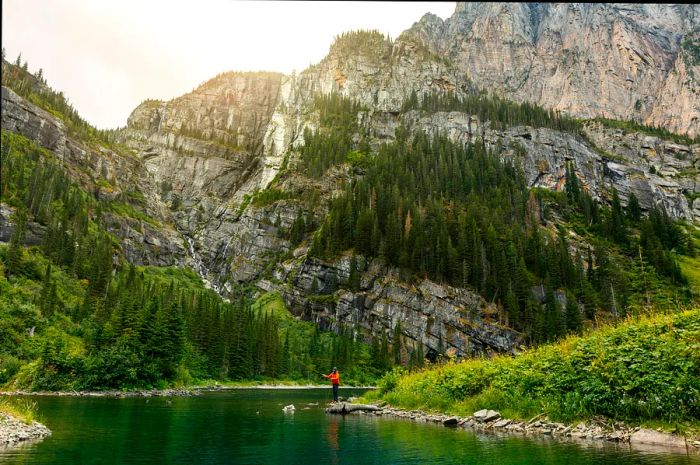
109 56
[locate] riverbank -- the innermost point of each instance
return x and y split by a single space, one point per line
643 372
267 385
595 429
14 432
184 392
112 393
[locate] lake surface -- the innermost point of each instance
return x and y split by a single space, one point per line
249 427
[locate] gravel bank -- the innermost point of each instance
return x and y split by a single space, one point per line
14 431
143 393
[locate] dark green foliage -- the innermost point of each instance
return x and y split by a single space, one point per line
500 112
634 211
268 196
333 142
298 229
572 187
396 344
616 227
459 215
662 133
98 324
15 252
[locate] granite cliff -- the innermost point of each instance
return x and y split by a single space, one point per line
621 61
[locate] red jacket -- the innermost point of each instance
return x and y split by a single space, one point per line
334 377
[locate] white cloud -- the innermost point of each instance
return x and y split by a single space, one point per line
109 56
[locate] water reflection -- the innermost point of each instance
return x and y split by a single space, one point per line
250 427
332 438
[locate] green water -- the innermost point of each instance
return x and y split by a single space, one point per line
249 427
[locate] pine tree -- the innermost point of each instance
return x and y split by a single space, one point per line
571 184
616 226
353 275
396 344
15 250
634 211
572 314
48 297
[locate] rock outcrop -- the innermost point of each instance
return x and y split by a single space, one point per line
658 172
595 429
208 142
614 60
110 175
442 318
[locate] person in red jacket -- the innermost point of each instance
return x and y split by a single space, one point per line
335 380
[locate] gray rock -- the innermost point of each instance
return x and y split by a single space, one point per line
621 61
451 421
485 416
501 423
652 437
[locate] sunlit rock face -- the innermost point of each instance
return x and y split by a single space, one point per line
210 141
613 60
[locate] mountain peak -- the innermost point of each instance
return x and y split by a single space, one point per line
590 60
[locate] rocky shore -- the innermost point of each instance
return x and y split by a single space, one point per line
597 428
113 393
14 431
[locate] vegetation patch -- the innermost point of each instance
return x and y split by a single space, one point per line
643 369
20 408
632 126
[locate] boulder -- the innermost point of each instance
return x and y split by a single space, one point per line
451 421
485 416
652 437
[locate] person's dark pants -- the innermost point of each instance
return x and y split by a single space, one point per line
335 393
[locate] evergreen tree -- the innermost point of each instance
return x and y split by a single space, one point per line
616 225
396 344
634 211
15 250
572 314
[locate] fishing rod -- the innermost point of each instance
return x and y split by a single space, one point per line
304 365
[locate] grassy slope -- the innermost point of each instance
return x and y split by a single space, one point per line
22 409
643 371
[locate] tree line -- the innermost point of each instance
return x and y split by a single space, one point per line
501 113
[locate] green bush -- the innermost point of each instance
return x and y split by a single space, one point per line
645 370
9 366
389 381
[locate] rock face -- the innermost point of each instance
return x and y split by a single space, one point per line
207 142
613 60
142 243
652 437
443 319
